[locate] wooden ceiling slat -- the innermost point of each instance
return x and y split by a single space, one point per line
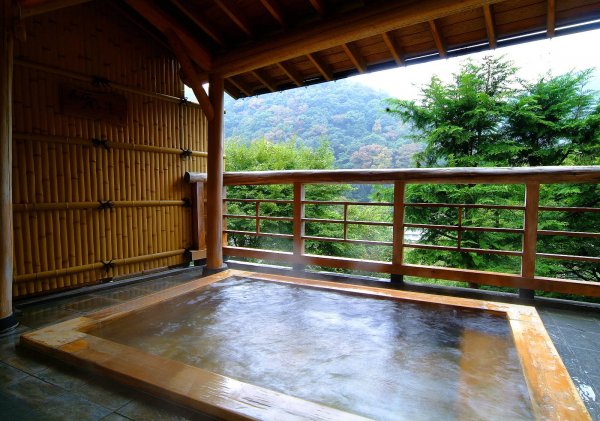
365 22
551 19
200 22
275 10
321 66
392 46
164 22
488 14
246 91
232 90
262 78
355 57
236 15
319 6
28 8
437 38
291 73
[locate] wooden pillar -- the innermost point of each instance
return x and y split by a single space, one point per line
298 226
398 235
214 184
7 319
530 228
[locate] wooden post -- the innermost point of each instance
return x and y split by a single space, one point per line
530 227
198 215
398 234
7 319
298 226
214 185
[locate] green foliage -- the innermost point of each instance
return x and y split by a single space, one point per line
483 118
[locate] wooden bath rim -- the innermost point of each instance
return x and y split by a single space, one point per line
552 392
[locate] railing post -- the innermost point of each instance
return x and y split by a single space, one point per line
530 228
398 233
298 226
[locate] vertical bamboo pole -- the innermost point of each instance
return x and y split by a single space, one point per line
530 227
7 319
214 185
398 233
298 226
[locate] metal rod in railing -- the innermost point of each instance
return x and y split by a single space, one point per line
398 232
460 230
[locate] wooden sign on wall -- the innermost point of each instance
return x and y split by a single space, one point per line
98 105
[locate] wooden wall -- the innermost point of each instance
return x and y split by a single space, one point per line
59 176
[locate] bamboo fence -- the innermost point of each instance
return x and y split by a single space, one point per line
95 200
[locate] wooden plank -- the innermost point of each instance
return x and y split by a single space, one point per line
355 57
490 25
392 45
190 74
551 19
437 38
214 185
319 6
398 230
299 224
30 8
516 175
368 21
245 90
263 78
236 15
291 73
6 158
163 22
321 66
530 226
275 10
201 23
198 228
553 393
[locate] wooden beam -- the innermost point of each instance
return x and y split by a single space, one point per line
490 25
437 38
355 57
191 76
232 90
321 66
393 47
214 185
264 80
236 15
275 10
30 8
7 21
551 19
319 6
363 23
201 23
163 22
245 90
291 73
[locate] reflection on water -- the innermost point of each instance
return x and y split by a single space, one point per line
379 358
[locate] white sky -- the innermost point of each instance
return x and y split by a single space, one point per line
559 55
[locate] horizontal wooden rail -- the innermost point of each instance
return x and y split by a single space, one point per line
32 207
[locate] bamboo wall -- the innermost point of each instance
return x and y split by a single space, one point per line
60 177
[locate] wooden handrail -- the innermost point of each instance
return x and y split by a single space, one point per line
475 175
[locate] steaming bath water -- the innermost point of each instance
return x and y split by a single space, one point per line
380 358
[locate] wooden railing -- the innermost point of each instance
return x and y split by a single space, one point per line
526 281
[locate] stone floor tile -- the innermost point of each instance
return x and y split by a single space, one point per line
39 316
9 374
89 303
152 409
588 322
29 361
577 338
115 417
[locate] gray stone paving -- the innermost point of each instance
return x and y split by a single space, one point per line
33 387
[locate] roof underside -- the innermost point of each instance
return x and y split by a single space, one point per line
271 45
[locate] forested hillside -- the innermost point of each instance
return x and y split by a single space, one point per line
350 116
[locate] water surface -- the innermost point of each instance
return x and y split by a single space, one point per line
379 358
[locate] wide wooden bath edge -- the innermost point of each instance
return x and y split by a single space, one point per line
552 392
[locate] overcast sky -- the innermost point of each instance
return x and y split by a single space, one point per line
558 55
